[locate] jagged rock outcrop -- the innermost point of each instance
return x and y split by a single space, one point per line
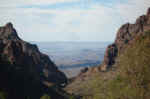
126 66
23 66
126 34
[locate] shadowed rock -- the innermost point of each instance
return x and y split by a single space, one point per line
23 66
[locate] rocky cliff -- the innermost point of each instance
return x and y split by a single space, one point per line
24 70
126 35
124 73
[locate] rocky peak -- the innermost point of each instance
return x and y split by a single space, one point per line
9 25
126 34
148 11
26 61
8 32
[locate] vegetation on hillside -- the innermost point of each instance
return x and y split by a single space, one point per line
130 78
133 80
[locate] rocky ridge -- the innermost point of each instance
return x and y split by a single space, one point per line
24 67
126 35
97 81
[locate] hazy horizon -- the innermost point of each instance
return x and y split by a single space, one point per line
71 57
70 41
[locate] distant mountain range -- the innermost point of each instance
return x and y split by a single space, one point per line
71 57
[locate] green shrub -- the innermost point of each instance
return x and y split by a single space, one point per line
3 95
45 97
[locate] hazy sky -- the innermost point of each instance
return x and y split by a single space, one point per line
70 20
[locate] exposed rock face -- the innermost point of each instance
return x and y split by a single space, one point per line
126 37
126 34
148 12
111 52
25 62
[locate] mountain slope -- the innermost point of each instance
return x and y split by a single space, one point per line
132 80
126 34
127 79
125 71
24 71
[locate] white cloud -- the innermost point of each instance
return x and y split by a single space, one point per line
14 3
132 9
97 23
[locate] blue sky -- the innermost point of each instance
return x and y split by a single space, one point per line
70 20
